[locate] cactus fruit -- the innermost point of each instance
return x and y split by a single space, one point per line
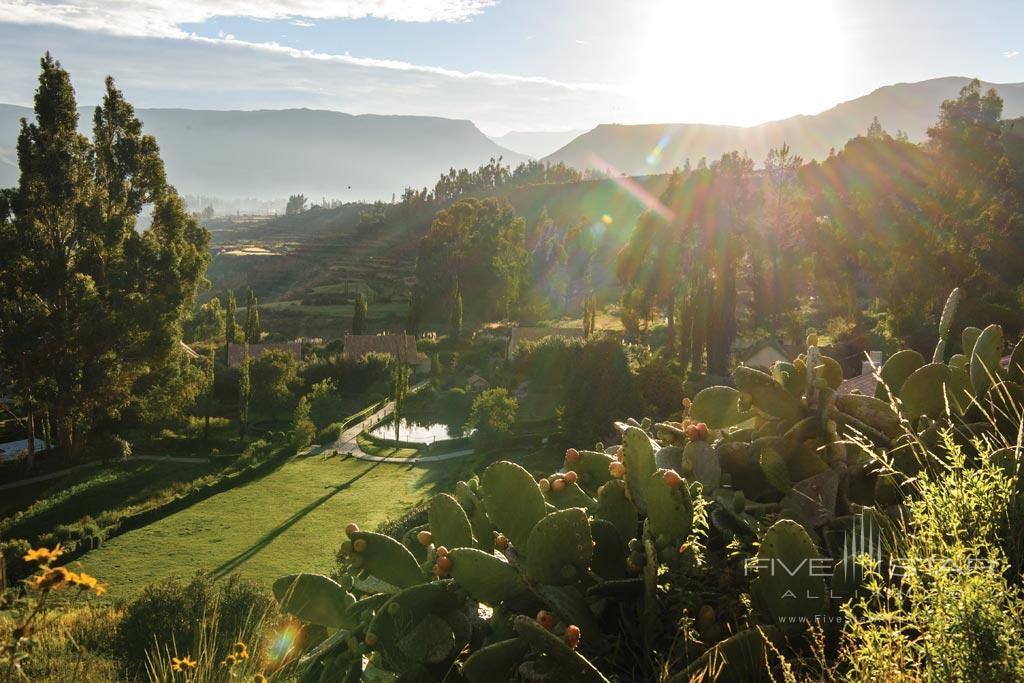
572 456
592 470
351 528
559 548
573 665
895 372
572 636
985 367
718 407
314 598
513 500
767 395
485 577
546 619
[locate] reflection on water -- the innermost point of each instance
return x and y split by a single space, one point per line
414 432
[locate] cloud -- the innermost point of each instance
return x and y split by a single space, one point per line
159 18
304 23
220 73
1011 54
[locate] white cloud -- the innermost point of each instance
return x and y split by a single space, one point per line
160 18
304 23
1011 54
220 73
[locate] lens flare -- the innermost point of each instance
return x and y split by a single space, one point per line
283 643
654 156
635 189
606 219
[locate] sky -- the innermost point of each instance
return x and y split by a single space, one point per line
510 64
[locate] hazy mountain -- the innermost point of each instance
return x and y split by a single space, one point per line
536 144
910 107
274 153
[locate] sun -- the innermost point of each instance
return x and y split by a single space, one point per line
738 62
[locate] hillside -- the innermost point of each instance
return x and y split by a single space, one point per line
274 153
910 107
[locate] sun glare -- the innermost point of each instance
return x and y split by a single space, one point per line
739 62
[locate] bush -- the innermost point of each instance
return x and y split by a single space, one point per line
331 433
303 429
165 616
492 416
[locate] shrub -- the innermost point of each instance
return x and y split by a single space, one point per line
165 616
303 429
492 416
331 433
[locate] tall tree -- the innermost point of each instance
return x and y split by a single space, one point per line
251 331
211 368
88 303
400 374
231 320
359 311
244 395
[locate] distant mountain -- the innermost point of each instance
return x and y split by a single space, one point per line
274 153
657 148
536 144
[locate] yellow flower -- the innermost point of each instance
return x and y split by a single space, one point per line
259 678
54 578
43 555
229 661
183 663
241 651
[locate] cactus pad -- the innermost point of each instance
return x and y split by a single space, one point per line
895 372
592 467
669 511
495 662
559 549
767 395
873 412
513 501
700 463
485 577
924 392
985 366
314 598
787 585
613 506
638 456
718 407
386 559
449 524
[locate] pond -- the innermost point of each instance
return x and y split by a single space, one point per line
416 432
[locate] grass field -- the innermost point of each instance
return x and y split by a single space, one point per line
372 448
290 520
95 490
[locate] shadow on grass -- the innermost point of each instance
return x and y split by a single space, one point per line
241 558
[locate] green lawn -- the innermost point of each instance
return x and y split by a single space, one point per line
95 490
290 520
372 448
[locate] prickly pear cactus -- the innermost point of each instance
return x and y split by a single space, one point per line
513 501
787 587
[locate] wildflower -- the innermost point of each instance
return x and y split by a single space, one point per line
43 555
183 663
241 651
259 678
53 579
229 661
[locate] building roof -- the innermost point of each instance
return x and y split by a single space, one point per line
236 352
768 343
402 346
476 379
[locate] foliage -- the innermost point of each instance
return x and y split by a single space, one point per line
474 257
273 374
492 415
324 402
88 303
296 204
599 389
303 429
166 615
165 397
251 332
207 322
231 320
359 314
